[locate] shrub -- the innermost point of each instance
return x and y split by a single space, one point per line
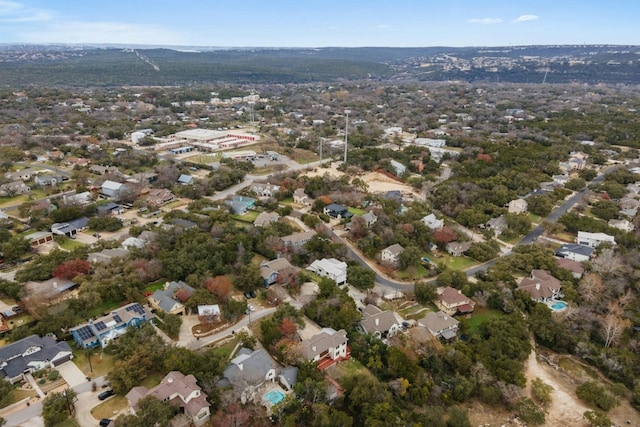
597 395
53 375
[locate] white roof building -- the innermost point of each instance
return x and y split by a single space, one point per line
330 267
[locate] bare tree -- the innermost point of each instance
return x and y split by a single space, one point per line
613 325
590 287
607 263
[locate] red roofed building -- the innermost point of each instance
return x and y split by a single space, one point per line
452 301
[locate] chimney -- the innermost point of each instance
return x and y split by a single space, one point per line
537 286
377 321
240 366
169 380
55 283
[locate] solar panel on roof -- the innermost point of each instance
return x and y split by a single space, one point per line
117 318
136 308
100 326
85 333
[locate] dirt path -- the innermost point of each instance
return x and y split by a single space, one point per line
565 409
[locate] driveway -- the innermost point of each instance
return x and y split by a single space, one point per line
72 374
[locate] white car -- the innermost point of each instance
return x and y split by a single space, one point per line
251 308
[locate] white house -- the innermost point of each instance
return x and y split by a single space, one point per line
391 254
328 344
621 224
111 188
383 324
594 239
432 222
332 268
398 167
574 252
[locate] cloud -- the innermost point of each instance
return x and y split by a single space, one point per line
11 11
485 21
525 18
102 32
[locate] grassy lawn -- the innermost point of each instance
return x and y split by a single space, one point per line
204 158
456 263
249 217
69 422
68 244
564 236
17 395
174 205
154 286
347 368
414 272
357 211
15 200
479 316
535 219
101 363
109 407
417 311
512 240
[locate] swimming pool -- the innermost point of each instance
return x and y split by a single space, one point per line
274 397
558 305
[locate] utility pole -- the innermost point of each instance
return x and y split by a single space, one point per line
346 134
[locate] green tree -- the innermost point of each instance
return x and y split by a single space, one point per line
150 412
15 248
575 184
529 412
5 393
597 395
425 292
248 278
410 256
541 391
540 205
597 419
361 277
57 407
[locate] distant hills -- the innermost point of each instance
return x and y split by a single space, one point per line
26 65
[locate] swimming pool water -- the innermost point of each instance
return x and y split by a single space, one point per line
274 396
559 305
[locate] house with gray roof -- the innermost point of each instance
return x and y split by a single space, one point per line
50 290
574 252
497 225
186 179
301 198
296 241
288 377
239 205
432 222
391 254
327 347
248 371
48 180
110 189
106 256
31 354
266 218
382 324
369 218
270 271
440 324
332 268
70 228
166 299
398 168
110 209
14 188
179 390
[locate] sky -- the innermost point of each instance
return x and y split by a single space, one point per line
303 23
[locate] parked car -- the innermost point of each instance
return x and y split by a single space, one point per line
105 394
251 307
105 422
249 295
16 309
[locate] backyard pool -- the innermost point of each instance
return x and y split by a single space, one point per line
273 397
558 305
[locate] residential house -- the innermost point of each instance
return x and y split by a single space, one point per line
453 301
458 248
432 222
497 225
103 170
369 218
621 224
103 330
576 268
31 354
14 188
78 161
332 268
240 204
107 256
210 313
266 218
144 178
393 196
440 324
518 206
337 211
111 189
186 179
594 239
391 254
39 238
22 175
70 228
133 243
296 241
178 390
265 190
382 324
629 203
159 196
249 371
110 209
42 206
183 224
51 290
171 298
79 199
429 142
47 180
541 286
271 271
560 179
574 252
418 164
288 377
301 198
327 347
398 167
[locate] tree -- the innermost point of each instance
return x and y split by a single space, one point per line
72 268
541 391
361 277
220 286
15 248
150 412
529 412
248 278
410 256
596 394
597 419
5 393
57 407
425 292
540 205
613 324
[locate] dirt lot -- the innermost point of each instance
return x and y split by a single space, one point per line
377 183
